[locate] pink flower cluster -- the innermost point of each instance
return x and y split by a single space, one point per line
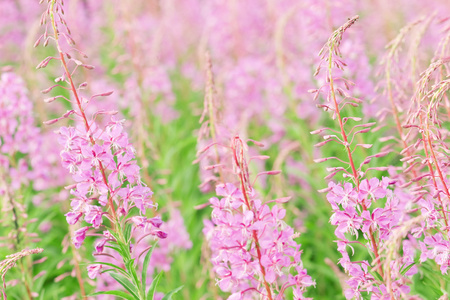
23 152
18 134
390 228
100 158
253 248
123 186
358 210
437 248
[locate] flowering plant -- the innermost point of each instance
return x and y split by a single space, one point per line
102 163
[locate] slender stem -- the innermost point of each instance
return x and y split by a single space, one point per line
427 142
349 153
81 110
341 123
17 242
438 168
78 271
209 94
25 281
254 234
15 215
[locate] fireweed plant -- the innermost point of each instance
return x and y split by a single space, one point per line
253 249
420 109
20 140
366 205
429 156
212 131
149 92
152 50
102 163
422 135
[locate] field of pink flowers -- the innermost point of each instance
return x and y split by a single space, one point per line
224 149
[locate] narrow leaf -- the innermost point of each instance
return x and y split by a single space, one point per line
169 295
132 271
145 266
127 232
115 293
152 288
117 249
126 284
406 269
377 276
113 266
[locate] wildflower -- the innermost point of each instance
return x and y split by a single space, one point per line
94 270
253 249
79 236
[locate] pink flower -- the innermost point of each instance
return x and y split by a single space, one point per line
73 217
343 196
234 251
378 219
371 189
94 270
93 215
150 225
346 221
79 236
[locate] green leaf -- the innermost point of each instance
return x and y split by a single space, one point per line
377 276
169 295
115 235
126 284
145 266
132 271
127 232
152 288
115 293
117 249
125 250
113 266
406 269
130 264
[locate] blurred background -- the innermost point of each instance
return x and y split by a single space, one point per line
152 54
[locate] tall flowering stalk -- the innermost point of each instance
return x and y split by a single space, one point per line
429 153
253 249
211 131
399 88
27 164
20 141
102 163
424 150
360 206
17 135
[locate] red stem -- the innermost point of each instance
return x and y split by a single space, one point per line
255 236
350 158
426 140
83 115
